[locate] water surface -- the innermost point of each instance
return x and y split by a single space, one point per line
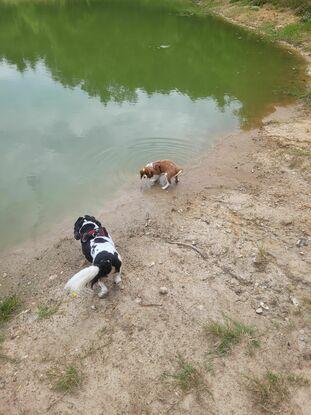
90 91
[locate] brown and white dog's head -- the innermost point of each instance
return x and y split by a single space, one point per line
147 173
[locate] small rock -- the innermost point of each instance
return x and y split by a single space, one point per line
295 301
163 290
302 242
138 300
286 222
93 307
264 306
52 277
152 264
302 338
259 310
4 275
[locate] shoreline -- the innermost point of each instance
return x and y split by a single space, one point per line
246 208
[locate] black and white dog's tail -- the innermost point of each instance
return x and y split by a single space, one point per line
82 278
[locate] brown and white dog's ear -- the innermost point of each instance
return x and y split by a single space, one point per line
142 173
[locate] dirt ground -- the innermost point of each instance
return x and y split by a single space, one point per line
232 241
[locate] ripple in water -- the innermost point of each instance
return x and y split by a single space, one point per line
147 149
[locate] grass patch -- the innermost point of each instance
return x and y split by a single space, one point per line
229 334
7 307
271 391
44 312
306 98
306 301
261 259
300 158
67 380
294 32
252 346
187 377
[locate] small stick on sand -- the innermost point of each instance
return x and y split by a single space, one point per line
188 246
150 305
147 220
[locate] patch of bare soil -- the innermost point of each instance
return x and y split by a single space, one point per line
231 242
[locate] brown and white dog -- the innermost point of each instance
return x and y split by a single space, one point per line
161 169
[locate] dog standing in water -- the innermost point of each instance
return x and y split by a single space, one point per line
161 169
99 249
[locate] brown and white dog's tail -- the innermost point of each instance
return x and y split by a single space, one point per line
81 279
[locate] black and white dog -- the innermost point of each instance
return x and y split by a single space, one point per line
99 249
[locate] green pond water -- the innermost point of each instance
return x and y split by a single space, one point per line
90 91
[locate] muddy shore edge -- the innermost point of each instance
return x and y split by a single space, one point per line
232 241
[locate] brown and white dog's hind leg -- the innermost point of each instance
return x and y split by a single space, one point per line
167 181
176 177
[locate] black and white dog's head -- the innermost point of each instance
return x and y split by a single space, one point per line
85 228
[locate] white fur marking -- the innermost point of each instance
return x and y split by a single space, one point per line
117 278
83 277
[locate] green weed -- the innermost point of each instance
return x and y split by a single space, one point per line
229 334
7 307
187 376
44 312
271 391
67 380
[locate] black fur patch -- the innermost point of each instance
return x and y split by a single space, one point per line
105 261
76 228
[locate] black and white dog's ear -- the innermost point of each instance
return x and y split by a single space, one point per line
77 227
92 219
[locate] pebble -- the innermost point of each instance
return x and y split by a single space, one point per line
259 310
4 275
295 301
301 242
93 307
138 300
287 222
163 290
264 306
152 264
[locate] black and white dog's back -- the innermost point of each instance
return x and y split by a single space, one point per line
99 249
